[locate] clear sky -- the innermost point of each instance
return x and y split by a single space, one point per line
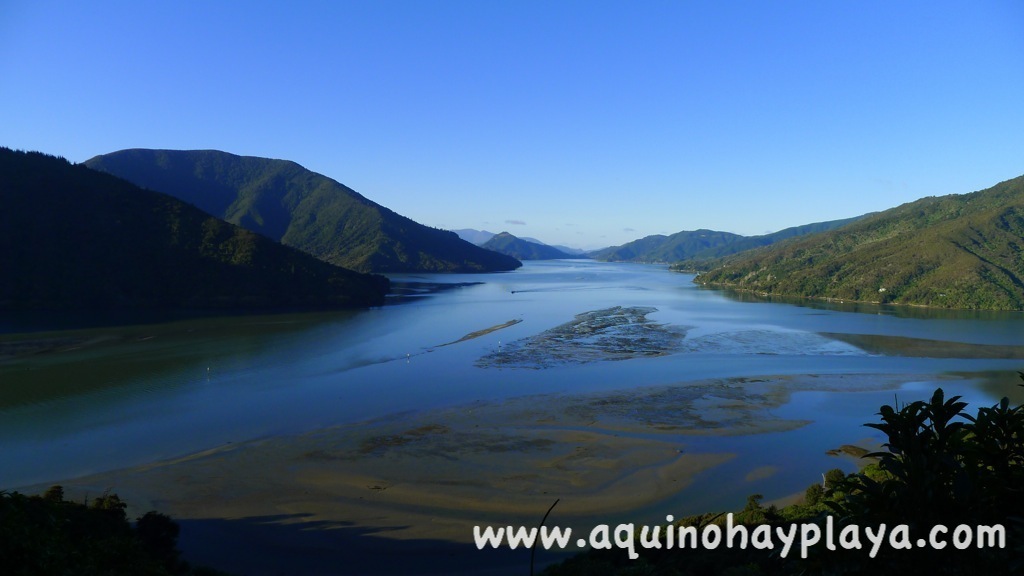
582 123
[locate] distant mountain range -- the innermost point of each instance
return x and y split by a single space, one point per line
290 204
956 251
702 244
660 248
480 237
576 252
522 249
75 238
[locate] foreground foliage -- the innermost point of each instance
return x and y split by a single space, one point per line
943 466
47 534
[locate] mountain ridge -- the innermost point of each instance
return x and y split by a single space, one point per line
76 238
287 203
506 243
474 236
703 244
659 248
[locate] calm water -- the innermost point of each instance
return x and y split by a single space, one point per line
147 392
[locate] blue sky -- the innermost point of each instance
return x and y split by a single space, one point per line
580 123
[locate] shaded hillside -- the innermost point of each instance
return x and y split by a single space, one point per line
285 202
75 238
956 251
701 245
506 243
660 248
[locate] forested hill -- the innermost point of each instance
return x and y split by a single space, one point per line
698 245
288 203
745 243
506 243
75 238
661 248
956 251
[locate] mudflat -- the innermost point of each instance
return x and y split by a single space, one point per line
417 483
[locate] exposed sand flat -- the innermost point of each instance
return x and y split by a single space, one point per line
483 332
412 486
617 333
435 474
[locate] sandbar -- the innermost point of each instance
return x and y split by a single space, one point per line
430 476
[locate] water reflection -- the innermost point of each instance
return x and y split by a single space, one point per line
92 399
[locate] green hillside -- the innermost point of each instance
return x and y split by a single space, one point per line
956 251
660 248
750 242
698 245
506 243
285 202
75 238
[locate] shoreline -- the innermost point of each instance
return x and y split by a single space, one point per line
430 476
833 299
